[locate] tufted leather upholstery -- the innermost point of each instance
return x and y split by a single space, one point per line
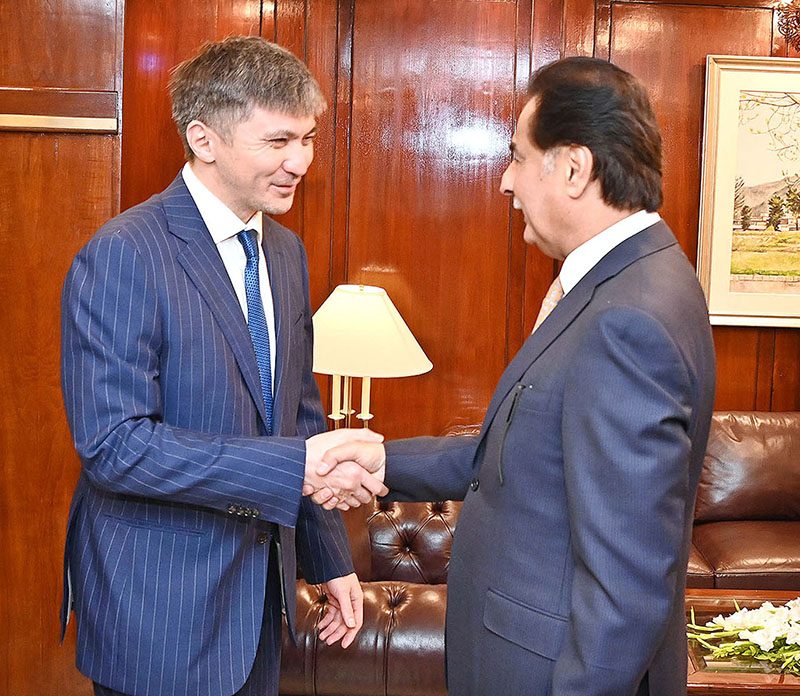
401 552
746 535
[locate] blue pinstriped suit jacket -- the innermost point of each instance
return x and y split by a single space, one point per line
164 402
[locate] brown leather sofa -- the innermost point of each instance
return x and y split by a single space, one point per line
746 535
747 516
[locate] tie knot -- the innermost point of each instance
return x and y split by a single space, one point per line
551 299
248 240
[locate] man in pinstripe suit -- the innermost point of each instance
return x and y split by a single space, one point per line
568 566
186 372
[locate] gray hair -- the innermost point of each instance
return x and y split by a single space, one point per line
221 85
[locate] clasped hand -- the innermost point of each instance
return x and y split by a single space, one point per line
344 468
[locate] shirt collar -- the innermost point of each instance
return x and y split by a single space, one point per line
585 257
221 221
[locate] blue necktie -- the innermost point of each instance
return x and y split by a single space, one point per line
256 319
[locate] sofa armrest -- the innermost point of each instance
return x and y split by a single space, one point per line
398 652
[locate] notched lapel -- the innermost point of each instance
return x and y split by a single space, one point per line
646 242
285 315
202 263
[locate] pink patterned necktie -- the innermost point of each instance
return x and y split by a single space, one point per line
554 294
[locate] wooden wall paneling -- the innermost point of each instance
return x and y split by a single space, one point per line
546 32
53 101
54 109
62 188
740 368
57 189
432 118
45 44
673 70
342 141
765 359
786 372
315 39
269 9
291 33
323 61
520 293
547 45
579 27
290 25
158 36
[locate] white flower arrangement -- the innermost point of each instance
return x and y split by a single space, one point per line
767 634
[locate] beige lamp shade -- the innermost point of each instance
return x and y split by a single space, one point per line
358 332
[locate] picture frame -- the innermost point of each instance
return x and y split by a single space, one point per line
749 237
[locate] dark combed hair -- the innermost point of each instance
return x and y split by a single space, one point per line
221 85
589 102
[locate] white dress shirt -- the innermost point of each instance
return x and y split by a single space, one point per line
588 254
224 226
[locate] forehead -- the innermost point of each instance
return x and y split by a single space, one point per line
270 120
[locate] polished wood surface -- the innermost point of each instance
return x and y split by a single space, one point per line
707 604
62 188
432 118
60 43
60 58
58 102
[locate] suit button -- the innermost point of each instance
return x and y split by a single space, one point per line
263 538
474 484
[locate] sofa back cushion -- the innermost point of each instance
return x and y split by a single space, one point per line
751 469
407 542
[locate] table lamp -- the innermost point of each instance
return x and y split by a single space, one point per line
358 332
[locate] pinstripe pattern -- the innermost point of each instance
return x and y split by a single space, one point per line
162 393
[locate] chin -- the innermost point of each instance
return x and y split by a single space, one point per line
277 207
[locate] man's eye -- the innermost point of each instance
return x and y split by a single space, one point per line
309 139
278 142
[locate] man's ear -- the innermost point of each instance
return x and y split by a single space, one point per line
201 141
580 163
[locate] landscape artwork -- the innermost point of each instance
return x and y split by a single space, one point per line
765 242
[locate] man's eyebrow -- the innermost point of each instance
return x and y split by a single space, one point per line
288 134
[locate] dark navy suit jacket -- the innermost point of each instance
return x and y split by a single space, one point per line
569 561
165 545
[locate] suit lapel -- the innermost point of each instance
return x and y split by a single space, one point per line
202 263
646 242
279 280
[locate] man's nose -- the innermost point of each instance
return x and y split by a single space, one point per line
299 157
507 182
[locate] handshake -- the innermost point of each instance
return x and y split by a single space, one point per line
344 468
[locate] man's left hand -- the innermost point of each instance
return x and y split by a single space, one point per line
344 614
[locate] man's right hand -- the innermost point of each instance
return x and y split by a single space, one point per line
343 482
368 456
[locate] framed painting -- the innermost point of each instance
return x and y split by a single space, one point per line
749 242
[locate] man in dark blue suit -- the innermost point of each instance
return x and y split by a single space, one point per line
186 372
568 565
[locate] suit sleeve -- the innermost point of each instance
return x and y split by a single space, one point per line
422 469
322 546
111 343
626 415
